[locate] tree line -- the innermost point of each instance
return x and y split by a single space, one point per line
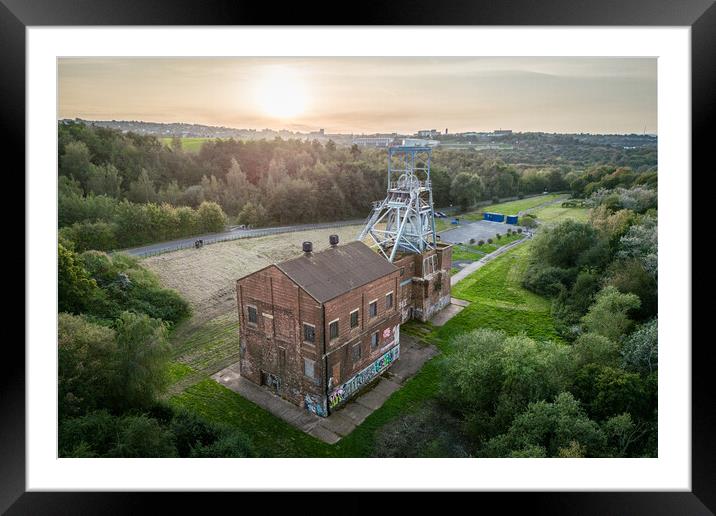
123 189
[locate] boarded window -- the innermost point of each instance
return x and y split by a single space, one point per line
253 315
389 300
309 367
333 329
336 373
373 309
374 339
354 318
356 353
309 333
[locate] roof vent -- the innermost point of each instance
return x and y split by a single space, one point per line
308 247
333 239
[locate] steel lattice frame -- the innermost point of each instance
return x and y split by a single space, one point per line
407 210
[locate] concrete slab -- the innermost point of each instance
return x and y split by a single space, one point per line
459 302
446 314
356 412
338 423
324 435
375 398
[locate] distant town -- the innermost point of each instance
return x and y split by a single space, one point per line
497 139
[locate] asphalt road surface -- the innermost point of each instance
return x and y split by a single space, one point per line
479 230
231 234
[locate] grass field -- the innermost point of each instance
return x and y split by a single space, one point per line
506 208
472 253
549 215
497 300
188 144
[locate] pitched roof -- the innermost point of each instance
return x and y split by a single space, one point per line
330 273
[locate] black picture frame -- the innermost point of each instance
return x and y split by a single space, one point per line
700 15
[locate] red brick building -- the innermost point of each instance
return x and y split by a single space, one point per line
317 328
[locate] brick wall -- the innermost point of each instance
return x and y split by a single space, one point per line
275 343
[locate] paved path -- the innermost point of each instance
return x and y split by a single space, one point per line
233 233
331 429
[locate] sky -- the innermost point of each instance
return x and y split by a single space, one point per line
368 94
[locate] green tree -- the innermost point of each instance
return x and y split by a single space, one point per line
142 190
142 356
75 288
142 436
640 352
104 180
491 376
466 189
86 364
91 235
211 217
609 315
252 214
560 428
75 162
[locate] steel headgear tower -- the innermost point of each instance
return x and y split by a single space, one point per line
407 211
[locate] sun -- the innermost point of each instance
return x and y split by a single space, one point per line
281 92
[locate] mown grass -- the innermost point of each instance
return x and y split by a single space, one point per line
498 301
506 208
188 144
210 345
550 215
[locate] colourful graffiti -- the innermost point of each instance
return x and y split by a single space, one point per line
313 404
343 392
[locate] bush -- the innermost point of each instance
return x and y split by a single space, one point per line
519 230
481 242
429 432
528 222
489 240
90 235
472 241
498 236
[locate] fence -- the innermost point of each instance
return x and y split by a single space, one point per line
161 248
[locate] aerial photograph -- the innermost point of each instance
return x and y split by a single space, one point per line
357 257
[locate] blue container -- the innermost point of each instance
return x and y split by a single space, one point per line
512 219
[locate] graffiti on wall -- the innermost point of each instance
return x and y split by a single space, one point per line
314 404
341 393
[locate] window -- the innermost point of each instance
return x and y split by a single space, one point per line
356 352
333 329
336 373
373 309
309 367
429 265
374 340
309 332
389 300
253 315
354 318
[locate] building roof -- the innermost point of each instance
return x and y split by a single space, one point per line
337 270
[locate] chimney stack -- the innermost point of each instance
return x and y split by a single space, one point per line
308 248
333 240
